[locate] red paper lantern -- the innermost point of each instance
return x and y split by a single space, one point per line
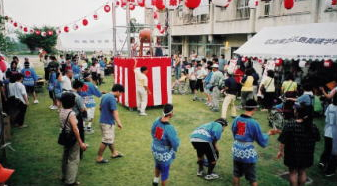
278 62
66 29
192 4
132 6
50 33
44 34
37 32
85 22
107 8
160 4
123 3
334 2
32 31
75 27
15 24
244 59
172 4
25 29
95 16
141 3
288 4
159 26
327 63
117 3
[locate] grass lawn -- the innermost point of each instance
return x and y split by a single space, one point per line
37 158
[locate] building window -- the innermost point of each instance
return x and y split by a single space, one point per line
266 9
243 10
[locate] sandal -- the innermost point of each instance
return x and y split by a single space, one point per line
103 161
118 156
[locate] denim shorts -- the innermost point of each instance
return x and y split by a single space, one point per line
164 171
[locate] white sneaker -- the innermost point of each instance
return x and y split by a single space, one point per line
212 176
142 114
54 107
36 101
51 106
200 173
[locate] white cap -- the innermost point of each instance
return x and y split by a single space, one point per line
215 66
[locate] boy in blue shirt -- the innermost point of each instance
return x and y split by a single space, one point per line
88 91
164 145
245 131
109 117
204 139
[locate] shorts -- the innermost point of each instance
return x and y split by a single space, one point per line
90 113
164 171
30 89
200 85
94 76
52 94
206 148
193 84
246 169
108 133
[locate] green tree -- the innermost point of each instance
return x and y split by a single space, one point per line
5 42
34 41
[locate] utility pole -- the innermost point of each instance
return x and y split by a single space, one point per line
128 28
114 30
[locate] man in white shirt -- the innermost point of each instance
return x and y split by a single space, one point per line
66 80
142 88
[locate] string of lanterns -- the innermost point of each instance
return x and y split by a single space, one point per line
157 5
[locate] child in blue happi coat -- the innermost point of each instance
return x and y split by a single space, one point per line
164 145
245 131
29 80
204 139
89 90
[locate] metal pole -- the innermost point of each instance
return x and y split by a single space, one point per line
169 30
114 30
128 28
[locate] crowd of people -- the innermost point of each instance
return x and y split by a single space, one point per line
73 85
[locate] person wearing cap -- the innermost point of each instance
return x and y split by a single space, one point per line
29 79
216 82
142 88
88 91
109 118
165 143
245 131
204 140
5 174
231 89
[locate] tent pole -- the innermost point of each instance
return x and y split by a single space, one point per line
128 28
114 29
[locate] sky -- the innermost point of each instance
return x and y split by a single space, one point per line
62 12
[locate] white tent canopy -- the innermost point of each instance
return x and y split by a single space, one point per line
309 41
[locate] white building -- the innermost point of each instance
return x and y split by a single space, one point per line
222 30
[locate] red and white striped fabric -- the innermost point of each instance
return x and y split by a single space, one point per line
159 77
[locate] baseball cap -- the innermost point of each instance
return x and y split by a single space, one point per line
5 174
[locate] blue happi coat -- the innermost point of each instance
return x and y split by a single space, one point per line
76 70
209 132
88 92
30 77
165 142
245 131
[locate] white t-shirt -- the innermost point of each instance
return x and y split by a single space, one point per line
66 83
201 74
141 79
18 90
192 74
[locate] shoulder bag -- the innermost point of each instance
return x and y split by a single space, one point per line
67 139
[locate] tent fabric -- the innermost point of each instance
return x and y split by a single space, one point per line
316 41
92 41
